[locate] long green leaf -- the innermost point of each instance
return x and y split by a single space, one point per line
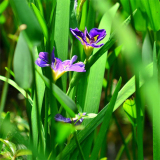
23 152
11 146
140 19
152 8
63 99
147 51
3 5
40 20
25 15
22 64
2 127
105 123
152 92
62 31
93 98
112 57
123 94
12 83
40 90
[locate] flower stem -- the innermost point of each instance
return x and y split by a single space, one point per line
78 145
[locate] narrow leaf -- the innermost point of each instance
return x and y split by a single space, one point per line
93 98
40 20
12 83
11 146
23 152
123 94
62 31
22 64
24 14
63 99
105 123
3 5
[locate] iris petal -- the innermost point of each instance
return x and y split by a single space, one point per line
96 45
41 63
43 56
74 58
60 118
78 34
59 67
77 67
101 33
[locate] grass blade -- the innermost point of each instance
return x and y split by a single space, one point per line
123 94
62 32
105 123
22 64
40 20
63 99
33 33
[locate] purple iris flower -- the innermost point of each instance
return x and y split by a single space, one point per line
89 40
77 120
59 67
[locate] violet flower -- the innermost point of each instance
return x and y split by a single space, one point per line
89 40
77 120
59 67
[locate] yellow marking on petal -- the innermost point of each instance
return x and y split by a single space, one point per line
57 74
81 39
96 37
88 41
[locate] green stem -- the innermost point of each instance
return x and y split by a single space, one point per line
78 145
122 137
134 142
139 120
46 118
9 64
123 147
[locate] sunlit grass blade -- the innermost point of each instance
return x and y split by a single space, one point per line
3 5
11 146
40 20
147 51
2 125
15 85
93 98
151 7
139 119
112 57
62 32
123 94
105 123
90 17
155 103
84 16
40 90
40 6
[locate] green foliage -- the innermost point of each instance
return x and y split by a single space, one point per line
129 107
3 5
22 65
33 33
133 51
